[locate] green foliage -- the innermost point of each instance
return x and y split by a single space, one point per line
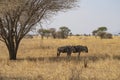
102 29
64 31
101 32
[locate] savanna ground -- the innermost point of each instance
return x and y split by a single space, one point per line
37 60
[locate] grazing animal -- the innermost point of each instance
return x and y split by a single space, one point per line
79 49
65 49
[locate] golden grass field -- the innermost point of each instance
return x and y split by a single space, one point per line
37 60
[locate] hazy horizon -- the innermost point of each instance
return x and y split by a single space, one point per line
89 16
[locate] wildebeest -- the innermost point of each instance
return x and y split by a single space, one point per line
79 48
65 49
72 49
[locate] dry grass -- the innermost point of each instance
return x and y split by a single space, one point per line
37 60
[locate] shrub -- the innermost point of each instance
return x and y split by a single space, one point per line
104 35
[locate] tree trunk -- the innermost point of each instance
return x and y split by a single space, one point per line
42 36
12 52
13 48
12 55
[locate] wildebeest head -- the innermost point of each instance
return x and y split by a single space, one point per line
85 49
80 48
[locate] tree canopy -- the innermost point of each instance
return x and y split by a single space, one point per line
101 32
102 28
64 31
17 17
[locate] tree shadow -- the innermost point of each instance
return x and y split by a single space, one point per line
21 78
116 57
13 78
72 58
98 57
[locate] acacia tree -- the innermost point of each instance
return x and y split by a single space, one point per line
64 31
100 29
44 33
95 33
19 16
53 32
101 32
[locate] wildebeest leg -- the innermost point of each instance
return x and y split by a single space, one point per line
78 54
58 54
68 54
